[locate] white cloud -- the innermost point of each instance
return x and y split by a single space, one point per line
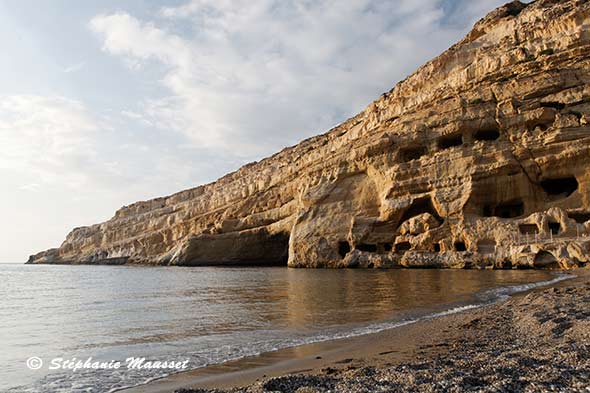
74 67
250 77
126 36
138 117
49 137
33 187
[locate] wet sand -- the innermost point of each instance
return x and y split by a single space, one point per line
536 341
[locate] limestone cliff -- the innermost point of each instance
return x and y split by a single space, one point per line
481 158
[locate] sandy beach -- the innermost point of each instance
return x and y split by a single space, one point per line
535 341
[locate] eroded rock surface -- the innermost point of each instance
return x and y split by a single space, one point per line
479 159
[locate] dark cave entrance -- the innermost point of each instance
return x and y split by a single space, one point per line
247 248
560 187
385 247
367 247
552 104
507 265
510 209
418 207
554 227
514 8
448 141
460 245
402 247
580 218
487 134
545 260
412 153
343 248
276 250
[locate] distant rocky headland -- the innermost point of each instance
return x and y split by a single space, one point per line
480 159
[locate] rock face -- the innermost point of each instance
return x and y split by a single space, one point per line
479 159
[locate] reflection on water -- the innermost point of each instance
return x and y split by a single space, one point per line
328 298
208 314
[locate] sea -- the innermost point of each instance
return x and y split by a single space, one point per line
200 316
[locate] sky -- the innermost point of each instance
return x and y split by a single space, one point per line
104 103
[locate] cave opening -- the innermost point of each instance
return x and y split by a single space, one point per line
448 141
510 209
553 104
487 134
554 227
367 247
436 247
460 245
403 246
528 229
420 206
515 8
562 187
386 247
580 218
251 248
545 260
412 153
343 248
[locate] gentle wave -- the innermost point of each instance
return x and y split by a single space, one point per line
502 293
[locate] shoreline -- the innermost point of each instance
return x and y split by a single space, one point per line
425 338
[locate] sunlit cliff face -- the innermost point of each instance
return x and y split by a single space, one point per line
105 103
481 166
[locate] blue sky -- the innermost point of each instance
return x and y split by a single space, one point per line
103 103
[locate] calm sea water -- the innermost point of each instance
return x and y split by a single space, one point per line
208 315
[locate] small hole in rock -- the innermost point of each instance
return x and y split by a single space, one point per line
491 134
343 248
403 246
510 209
555 105
367 247
460 246
412 153
515 8
580 218
448 141
554 227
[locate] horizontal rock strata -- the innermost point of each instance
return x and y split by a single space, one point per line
479 159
